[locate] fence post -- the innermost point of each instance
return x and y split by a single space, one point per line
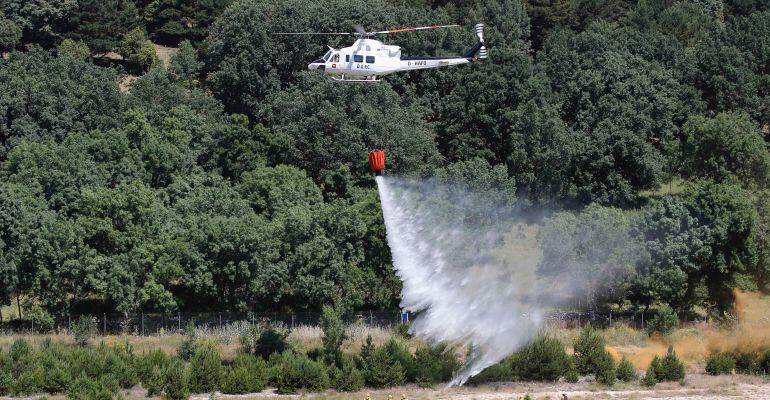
69 322
220 321
142 323
371 318
104 316
642 319
33 324
292 320
179 323
252 318
610 319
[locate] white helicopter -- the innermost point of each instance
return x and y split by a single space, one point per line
368 58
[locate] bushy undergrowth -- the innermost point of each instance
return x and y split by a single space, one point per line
720 363
297 371
591 357
665 369
625 371
264 340
664 322
544 359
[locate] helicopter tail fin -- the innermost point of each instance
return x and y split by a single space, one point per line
479 50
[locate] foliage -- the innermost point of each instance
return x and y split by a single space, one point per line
185 64
664 322
726 148
720 363
589 351
333 334
625 371
296 372
605 369
190 344
10 34
346 378
84 329
384 366
205 369
672 367
101 24
435 364
264 340
74 49
176 386
544 359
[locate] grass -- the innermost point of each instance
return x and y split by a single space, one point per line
676 186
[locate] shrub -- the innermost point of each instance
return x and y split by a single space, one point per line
764 363
85 388
672 369
544 359
148 56
28 382
403 331
6 383
148 362
132 44
367 349
247 375
189 345
435 364
649 379
264 340
74 49
398 351
205 370
176 387
296 371
334 334
83 329
625 371
500 372
154 381
20 350
720 363
605 369
747 363
664 322
589 351
41 318
571 374
235 381
348 378
384 370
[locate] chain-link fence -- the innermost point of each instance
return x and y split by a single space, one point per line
153 323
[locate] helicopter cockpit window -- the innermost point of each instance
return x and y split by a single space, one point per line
327 55
336 57
358 58
347 57
370 59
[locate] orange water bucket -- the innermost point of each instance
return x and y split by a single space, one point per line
377 161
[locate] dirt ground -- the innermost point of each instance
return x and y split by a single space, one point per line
697 387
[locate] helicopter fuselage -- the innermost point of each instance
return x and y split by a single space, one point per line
369 57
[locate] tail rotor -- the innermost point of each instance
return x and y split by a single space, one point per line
482 53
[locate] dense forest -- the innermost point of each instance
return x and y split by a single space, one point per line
233 179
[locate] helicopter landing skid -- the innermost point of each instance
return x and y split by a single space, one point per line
366 79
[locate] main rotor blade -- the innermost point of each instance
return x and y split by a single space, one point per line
360 30
413 28
312 33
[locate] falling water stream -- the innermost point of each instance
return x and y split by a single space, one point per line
466 272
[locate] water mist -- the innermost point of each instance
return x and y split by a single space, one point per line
467 267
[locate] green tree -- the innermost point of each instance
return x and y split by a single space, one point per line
52 97
334 334
10 34
702 239
102 23
74 49
726 148
172 21
272 190
185 64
